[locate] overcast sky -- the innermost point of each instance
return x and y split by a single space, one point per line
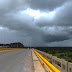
36 22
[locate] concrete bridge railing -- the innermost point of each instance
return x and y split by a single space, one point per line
61 64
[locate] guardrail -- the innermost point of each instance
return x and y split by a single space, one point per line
60 64
49 66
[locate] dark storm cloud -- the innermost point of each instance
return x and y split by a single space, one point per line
65 43
12 5
62 17
52 29
16 22
52 34
46 4
52 38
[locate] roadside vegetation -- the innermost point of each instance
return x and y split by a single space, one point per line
60 52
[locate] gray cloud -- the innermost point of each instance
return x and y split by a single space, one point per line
65 43
52 29
62 17
46 4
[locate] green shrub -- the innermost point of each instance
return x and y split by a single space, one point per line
62 55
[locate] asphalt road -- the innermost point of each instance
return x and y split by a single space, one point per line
16 61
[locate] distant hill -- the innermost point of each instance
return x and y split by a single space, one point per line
12 45
16 45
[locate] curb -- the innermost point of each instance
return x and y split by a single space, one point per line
37 65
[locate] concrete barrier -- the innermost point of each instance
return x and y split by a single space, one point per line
48 65
56 62
61 64
69 67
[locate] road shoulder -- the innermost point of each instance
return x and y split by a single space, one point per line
37 65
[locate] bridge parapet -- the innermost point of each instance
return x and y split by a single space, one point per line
69 67
61 64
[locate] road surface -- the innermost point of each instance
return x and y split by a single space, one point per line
16 61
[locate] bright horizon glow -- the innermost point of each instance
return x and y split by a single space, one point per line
36 13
